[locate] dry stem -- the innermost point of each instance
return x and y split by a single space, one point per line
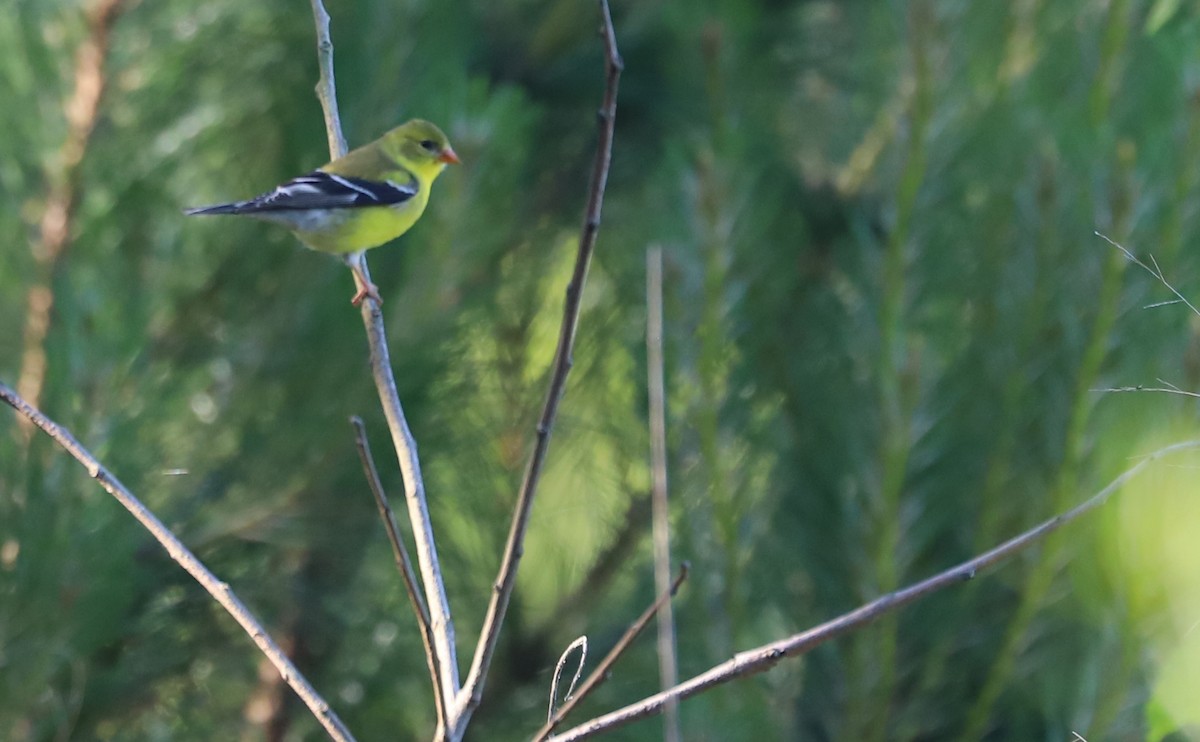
668 664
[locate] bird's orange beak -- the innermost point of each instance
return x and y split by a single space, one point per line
449 157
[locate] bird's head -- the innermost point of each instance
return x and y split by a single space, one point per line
422 146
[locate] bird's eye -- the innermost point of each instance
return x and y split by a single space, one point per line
429 145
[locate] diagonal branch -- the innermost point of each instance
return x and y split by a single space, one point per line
489 636
389 398
757 660
186 559
403 563
604 669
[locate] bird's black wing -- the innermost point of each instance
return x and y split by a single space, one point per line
320 190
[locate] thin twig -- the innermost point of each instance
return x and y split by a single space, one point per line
186 559
403 564
668 663
604 669
763 658
326 87
402 437
1156 271
1163 390
489 636
581 644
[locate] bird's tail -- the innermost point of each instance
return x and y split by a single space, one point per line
231 208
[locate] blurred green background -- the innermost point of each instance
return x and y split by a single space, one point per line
887 316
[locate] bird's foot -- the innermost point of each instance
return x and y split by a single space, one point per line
358 266
367 289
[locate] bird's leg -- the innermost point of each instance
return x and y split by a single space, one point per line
365 288
363 292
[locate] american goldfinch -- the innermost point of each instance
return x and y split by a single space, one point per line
361 200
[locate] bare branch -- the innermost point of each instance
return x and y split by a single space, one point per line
326 87
418 509
385 384
668 664
489 636
602 671
767 656
186 559
403 564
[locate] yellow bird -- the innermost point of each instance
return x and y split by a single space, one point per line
361 200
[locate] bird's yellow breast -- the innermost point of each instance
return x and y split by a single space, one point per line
362 228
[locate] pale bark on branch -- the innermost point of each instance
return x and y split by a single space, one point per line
385 383
220 591
763 658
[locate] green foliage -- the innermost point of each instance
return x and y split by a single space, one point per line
886 312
